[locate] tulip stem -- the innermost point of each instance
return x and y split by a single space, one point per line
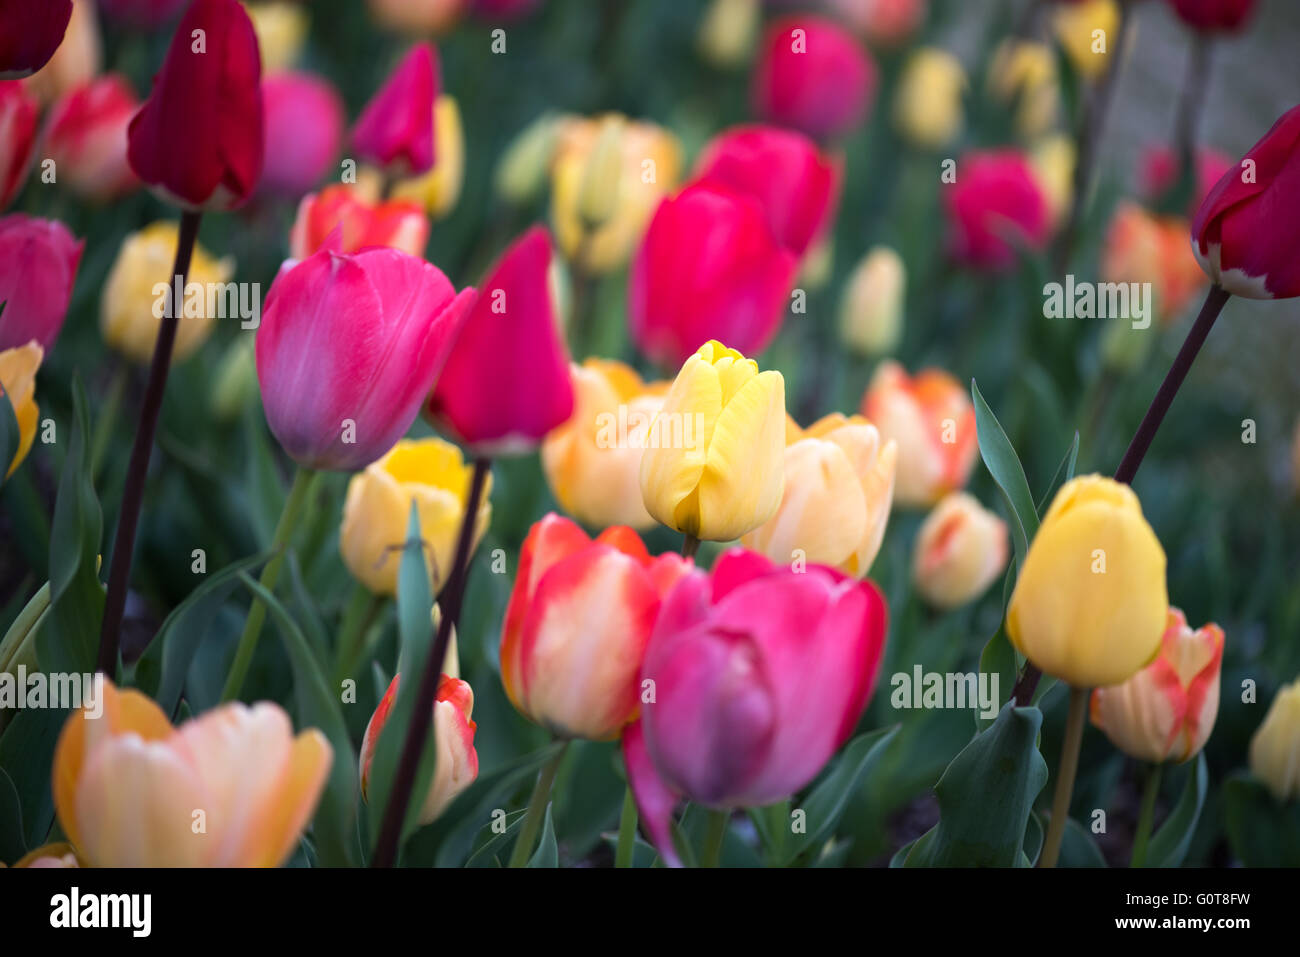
358 620
1065 776
1192 104
714 837
690 545
421 726
626 831
1145 817
541 797
119 574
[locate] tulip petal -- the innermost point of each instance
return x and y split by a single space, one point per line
654 799
737 490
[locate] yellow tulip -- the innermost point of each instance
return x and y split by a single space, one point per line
839 486
871 310
1052 160
1023 74
1087 31
714 464
593 461
281 29
1275 748
439 189
131 308
960 550
928 108
1090 605
18 383
429 472
728 31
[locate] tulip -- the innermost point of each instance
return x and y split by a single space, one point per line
503 9
1076 24
457 761
87 139
708 268
928 108
18 121
715 466
1140 247
524 166
131 310
281 27
577 623
1226 16
143 14
794 183
813 76
727 31
758 675
51 855
507 382
417 17
1023 74
437 190
960 550
77 60
129 788
1160 169
931 418
871 310
995 208
593 461
18 385
1090 604
198 139
1238 238
29 35
432 475
608 176
1166 711
885 23
398 224
304 131
38 264
395 129
1275 746
349 346
1053 160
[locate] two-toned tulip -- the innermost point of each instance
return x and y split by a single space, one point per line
18 368
19 114
960 550
1275 746
871 308
233 787
995 209
1090 605
1166 711
29 35
86 137
814 76
755 675
304 131
399 223
437 190
928 105
715 468
395 130
578 620
38 265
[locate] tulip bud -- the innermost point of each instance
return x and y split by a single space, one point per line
523 167
928 108
437 190
376 326
304 131
1227 16
715 465
995 208
138 286
1275 747
18 384
198 138
871 309
29 35
1023 75
76 61
417 17
281 29
397 224
453 735
433 475
38 265
960 550
1166 711
814 76
395 129
18 121
931 418
86 138
507 382
1090 604
1077 25
728 30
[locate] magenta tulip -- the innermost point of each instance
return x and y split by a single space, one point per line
708 268
507 382
996 208
348 348
1226 16
759 673
18 119
794 182
30 32
395 129
87 138
38 263
814 76
304 131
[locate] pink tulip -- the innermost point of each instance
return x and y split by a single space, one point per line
996 207
304 131
38 263
814 76
796 185
87 138
759 674
708 268
30 32
348 349
1227 16
507 382
398 223
396 128
18 120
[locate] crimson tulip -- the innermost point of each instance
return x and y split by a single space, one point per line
87 138
1225 16
395 129
304 131
18 120
38 263
995 207
814 76
30 32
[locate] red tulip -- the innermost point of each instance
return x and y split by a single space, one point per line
995 207
18 118
87 138
708 268
1212 15
814 76
759 674
400 224
198 139
1160 170
38 263
304 131
30 32
349 347
795 184
507 382
1245 234
396 128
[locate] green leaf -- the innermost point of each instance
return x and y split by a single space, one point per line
1064 472
27 757
13 843
488 854
1078 849
1169 844
548 852
1034 835
1262 831
1004 465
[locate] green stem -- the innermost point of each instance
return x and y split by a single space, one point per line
1143 836
107 417
1065 777
293 508
537 809
690 545
358 621
711 853
626 831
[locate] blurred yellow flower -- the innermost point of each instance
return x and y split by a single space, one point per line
928 108
1052 161
1275 747
281 29
439 189
1088 31
728 31
1023 75
959 551
871 308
